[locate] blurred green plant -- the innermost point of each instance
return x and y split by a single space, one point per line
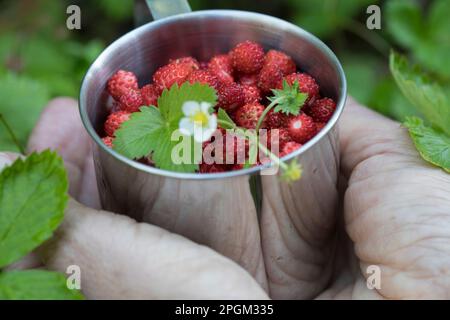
432 140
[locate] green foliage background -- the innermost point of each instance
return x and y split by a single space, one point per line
40 58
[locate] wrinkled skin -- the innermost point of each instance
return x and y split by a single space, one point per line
396 214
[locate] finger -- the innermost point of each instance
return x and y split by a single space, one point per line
396 206
6 158
122 259
365 133
60 128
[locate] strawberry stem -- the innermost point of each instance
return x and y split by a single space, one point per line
272 156
11 133
265 112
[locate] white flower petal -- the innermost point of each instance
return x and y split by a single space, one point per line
204 106
207 134
190 108
186 126
212 122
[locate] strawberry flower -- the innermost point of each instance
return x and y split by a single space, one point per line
198 121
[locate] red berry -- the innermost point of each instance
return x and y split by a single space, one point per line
275 119
235 149
221 67
248 115
238 166
121 82
203 65
251 93
249 79
301 128
289 147
275 138
307 84
131 101
108 141
320 125
204 77
114 121
175 72
211 168
281 60
247 57
269 78
150 95
190 61
321 110
230 97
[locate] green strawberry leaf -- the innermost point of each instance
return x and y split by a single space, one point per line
35 285
224 120
289 99
33 196
151 131
172 100
140 135
428 97
433 145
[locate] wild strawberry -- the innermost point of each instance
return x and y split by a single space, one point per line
248 79
203 65
275 139
289 147
150 95
237 166
131 101
269 78
301 128
307 84
204 77
251 93
281 60
321 110
211 168
175 72
275 120
121 82
248 115
235 149
247 57
114 121
190 61
320 125
230 97
221 67
108 141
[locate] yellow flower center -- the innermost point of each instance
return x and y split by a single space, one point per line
200 118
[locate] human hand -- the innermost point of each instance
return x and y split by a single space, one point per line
396 212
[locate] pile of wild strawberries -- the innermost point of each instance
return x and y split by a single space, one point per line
243 79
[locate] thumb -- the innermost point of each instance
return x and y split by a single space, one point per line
120 258
365 133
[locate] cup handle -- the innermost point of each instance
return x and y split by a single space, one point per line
165 8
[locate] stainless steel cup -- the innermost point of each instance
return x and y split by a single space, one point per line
223 209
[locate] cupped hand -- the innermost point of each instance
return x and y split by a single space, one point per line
396 215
